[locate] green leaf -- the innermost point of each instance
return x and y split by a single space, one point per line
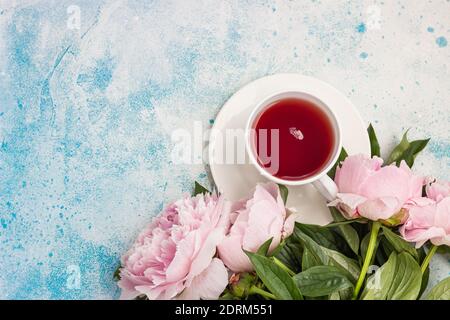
339 260
422 254
441 291
327 256
290 253
264 248
321 281
341 158
425 279
274 278
443 250
340 223
407 280
347 232
284 192
377 285
199 189
227 295
337 216
413 150
346 294
407 150
339 219
374 145
321 235
364 245
398 279
334 296
399 244
386 246
116 275
309 260
380 256
399 149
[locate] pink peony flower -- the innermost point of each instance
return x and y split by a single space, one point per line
378 193
254 221
438 190
174 256
429 218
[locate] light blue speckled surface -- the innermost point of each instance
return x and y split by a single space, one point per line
86 114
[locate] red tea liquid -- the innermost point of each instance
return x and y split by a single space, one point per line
306 138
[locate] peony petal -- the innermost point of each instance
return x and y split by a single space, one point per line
261 191
347 204
354 171
231 253
225 214
240 223
209 284
128 284
442 218
171 290
420 236
181 263
289 224
220 216
351 200
422 217
421 202
274 191
391 181
429 222
415 183
438 190
152 293
382 208
265 221
238 205
441 241
206 253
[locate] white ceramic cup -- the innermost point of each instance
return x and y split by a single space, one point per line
320 180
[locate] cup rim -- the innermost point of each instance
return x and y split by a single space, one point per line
257 110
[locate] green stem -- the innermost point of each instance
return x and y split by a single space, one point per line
370 251
427 259
255 290
283 266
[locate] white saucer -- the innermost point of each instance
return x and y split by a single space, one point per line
235 181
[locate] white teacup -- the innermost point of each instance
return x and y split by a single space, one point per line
320 180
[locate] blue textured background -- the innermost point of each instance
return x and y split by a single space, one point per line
86 114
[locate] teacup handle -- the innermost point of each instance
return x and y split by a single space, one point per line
326 186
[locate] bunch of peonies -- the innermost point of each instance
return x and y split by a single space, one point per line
193 247
184 252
